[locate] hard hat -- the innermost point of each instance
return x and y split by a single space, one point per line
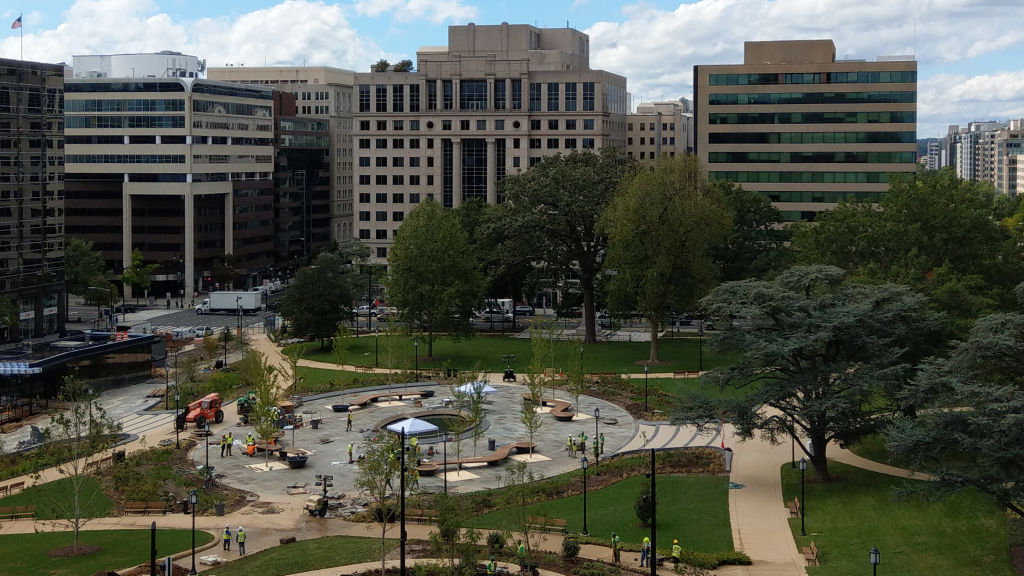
241 529
675 541
228 526
492 557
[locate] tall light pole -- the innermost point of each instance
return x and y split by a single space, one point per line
416 349
584 463
376 347
238 305
597 436
652 560
206 441
700 345
445 472
177 441
647 369
401 486
875 557
803 501
193 498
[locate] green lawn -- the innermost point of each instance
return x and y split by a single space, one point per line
964 534
694 509
121 549
873 447
53 499
485 352
305 555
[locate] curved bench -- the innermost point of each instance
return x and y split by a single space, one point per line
366 400
500 454
560 409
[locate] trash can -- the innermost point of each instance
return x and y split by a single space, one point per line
219 507
184 506
315 423
119 456
218 364
490 444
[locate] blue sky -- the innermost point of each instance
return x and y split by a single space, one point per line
968 50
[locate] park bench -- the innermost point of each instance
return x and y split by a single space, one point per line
686 374
17 512
596 377
500 454
366 400
811 554
541 523
421 515
145 507
794 507
157 392
560 409
16 487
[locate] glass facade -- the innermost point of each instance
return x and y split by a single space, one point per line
814 98
878 77
473 95
900 117
474 168
535 91
812 137
812 157
801 177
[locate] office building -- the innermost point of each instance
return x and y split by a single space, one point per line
494 102
180 168
322 93
804 129
32 198
663 127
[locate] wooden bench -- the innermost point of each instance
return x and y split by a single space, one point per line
17 512
811 554
428 468
686 374
500 454
560 409
420 515
145 507
16 487
794 507
596 377
544 524
363 401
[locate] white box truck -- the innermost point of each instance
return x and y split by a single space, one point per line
230 302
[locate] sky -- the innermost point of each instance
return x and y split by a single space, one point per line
968 51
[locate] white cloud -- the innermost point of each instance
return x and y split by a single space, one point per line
436 11
958 99
291 32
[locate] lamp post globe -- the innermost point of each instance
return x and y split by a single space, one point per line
875 557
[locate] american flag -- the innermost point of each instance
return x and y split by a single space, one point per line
16 24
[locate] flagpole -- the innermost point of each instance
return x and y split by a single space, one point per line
21 30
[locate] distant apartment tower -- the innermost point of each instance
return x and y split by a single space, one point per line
494 102
659 126
32 197
1009 157
975 149
180 168
804 129
323 93
933 158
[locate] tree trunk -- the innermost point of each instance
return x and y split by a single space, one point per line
383 541
653 359
589 313
818 459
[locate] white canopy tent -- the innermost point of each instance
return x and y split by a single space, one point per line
477 387
412 427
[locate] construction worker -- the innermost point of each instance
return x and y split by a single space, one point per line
677 552
521 555
615 547
226 537
249 439
348 425
350 453
602 444
223 445
571 446
414 446
491 566
240 538
230 441
645 552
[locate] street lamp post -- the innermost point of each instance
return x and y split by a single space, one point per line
177 441
401 487
875 557
192 500
445 472
700 346
206 441
647 369
652 560
376 347
792 443
416 348
597 436
584 463
238 305
803 501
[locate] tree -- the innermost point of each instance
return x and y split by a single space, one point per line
265 410
225 270
817 354
576 384
756 244
461 422
530 419
643 505
451 536
551 217
433 279
403 66
516 494
138 274
661 228
319 299
969 433
80 430
82 267
378 475
381 65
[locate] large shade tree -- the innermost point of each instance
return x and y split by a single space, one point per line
551 217
756 245
433 277
818 354
83 267
969 435
660 231
319 298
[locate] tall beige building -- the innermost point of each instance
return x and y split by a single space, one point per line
655 127
324 93
494 102
805 129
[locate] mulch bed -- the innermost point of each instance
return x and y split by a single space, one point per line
72 552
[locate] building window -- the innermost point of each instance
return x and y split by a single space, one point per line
430 161
430 143
570 124
588 143
382 234
515 143
534 143
414 124
552 124
570 143
381 216
517 94
515 161
364 234
364 143
499 125
382 97
446 124
398 125
430 179
552 96
398 162
552 143
534 97
382 179
364 179
382 162
398 97
473 95
382 143
588 96
397 143
588 124
364 97
643 140
382 125
414 97
570 96
381 197
651 126
414 198
397 180
414 162
629 141
481 124
414 143
364 197
398 216
382 252
464 125
499 94
535 124
431 95
364 125
642 155
414 180
534 160
448 93
364 215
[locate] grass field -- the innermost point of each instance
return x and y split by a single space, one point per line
485 352
121 549
306 555
964 535
694 509
53 499
873 447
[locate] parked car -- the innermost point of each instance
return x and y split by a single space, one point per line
202 331
183 335
125 308
496 316
604 320
525 310
363 310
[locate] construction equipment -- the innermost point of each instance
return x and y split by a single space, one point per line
206 409
246 403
